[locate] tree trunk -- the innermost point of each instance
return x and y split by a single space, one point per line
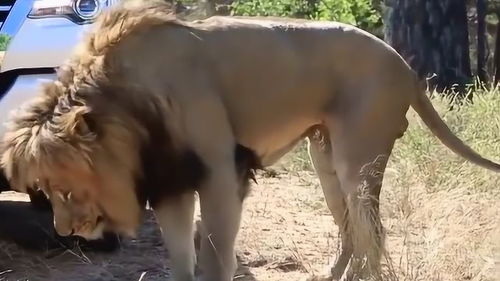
481 41
433 37
207 7
496 58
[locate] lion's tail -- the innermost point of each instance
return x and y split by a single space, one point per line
438 127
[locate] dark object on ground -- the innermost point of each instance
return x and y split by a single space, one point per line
30 225
37 198
4 184
32 229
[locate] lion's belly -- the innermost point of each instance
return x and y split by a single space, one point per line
270 112
272 146
272 136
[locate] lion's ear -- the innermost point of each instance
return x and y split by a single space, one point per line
73 121
78 119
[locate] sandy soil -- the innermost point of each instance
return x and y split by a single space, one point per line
288 234
282 234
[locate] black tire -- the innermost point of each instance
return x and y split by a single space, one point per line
37 197
39 200
110 242
4 183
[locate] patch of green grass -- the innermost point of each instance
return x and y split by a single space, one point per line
298 159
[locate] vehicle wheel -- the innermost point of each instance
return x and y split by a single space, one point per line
4 183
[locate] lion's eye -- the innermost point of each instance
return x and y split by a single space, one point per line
64 196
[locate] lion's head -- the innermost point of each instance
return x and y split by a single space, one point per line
86 161
85 143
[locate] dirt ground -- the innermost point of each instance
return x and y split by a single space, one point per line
282 234
287 233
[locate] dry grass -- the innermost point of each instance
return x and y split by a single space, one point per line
441 214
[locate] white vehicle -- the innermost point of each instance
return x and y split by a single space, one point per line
43 33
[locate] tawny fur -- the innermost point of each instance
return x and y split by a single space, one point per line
194 90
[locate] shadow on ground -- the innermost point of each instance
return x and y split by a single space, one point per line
32 229
30 250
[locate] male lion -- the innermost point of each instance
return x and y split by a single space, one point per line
154 108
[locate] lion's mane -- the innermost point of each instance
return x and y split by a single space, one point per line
83 115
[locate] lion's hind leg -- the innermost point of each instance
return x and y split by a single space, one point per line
362 145
320 152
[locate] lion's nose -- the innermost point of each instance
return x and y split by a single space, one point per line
63 231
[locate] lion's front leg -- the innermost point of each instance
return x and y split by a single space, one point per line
175 217
210 135
220 211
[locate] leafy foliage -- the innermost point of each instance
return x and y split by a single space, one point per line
357 12
280 8
4 41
